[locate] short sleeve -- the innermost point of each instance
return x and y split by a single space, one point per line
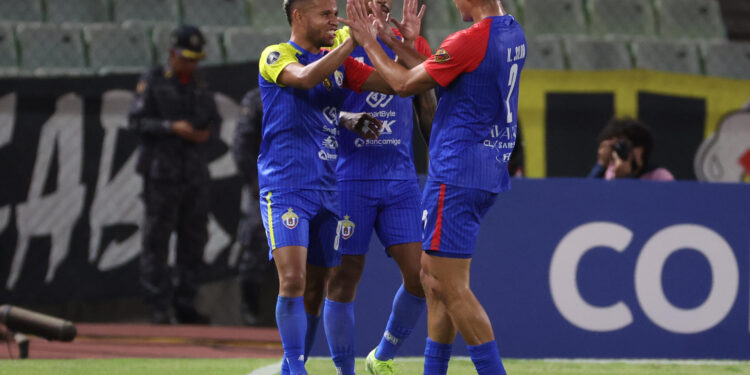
356 75
461 52
274 59
423 47
341 36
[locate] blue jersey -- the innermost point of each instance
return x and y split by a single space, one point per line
475 125
391 156
299 149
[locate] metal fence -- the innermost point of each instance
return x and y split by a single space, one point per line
73 37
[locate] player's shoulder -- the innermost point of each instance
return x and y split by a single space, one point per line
342 35
275 52
275 58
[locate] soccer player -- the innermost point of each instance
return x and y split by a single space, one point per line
472 139
378 189
302 87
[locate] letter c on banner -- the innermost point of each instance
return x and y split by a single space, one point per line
724 271
563 270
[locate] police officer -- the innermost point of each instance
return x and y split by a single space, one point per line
175 117
253 266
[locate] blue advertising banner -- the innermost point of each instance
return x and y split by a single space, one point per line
575 268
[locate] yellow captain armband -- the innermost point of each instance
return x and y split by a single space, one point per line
341 36
274 59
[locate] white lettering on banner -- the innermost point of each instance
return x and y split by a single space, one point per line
55 214
116 201
7 121
224 166
648 276
724 271
218 241
564 268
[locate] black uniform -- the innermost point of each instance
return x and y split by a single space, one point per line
176 185
254 265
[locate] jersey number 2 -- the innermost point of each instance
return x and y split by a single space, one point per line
512 79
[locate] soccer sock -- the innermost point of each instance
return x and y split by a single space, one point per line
338 321
486 359
407 308
312 328
290 318
436 357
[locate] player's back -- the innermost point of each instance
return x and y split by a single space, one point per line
475 125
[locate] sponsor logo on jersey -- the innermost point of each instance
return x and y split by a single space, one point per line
360 59
359 142
376 99
331 114
339 76
290 219
347 228
327 84
442 56
330 142
325 156
273 57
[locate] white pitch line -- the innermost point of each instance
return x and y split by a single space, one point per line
682 362
267 370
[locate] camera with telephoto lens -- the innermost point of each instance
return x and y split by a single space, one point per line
622 148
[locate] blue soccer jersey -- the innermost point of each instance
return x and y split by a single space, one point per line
299 149
475 126
391 156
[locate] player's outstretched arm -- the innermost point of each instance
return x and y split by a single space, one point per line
306 77
403 82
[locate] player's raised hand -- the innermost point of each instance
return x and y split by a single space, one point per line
411 23
380 20
361 27
366 126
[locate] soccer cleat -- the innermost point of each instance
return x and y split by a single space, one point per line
377 367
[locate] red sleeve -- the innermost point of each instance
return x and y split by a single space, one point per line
356 73
461 52
423 47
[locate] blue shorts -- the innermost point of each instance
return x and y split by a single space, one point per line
391 207
451 217
307 218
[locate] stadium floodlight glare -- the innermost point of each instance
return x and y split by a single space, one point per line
21 320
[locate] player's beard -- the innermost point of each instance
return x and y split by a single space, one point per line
322 37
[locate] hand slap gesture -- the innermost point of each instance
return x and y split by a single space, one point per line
360 23
411 24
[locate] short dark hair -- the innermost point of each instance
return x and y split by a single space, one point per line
637 132
288 8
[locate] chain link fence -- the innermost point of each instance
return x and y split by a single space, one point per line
73 37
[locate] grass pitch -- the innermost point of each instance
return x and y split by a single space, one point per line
316 366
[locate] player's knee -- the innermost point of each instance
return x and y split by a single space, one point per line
291 283
413 285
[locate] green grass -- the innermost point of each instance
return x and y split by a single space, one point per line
318 366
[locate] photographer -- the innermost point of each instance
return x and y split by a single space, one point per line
625 145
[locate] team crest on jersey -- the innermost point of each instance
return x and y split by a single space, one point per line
290 219
339 76
327 84
442 56
347 228
273 57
